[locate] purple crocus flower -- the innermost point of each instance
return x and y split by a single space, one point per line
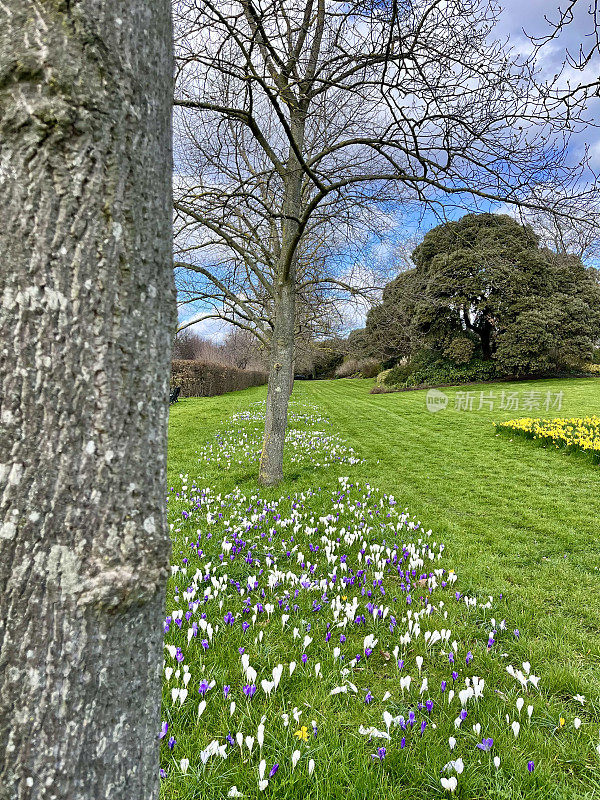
179 654
454 676
249 690
274 769
172 742
203 688
304 658
469 657
229 619
530 766
423 726
226 690
463 714
368 697
486 745
516 633
381 751
429 706
162 773
443 686
411 718
402 742
204 644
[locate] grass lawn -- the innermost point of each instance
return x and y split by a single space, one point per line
518 523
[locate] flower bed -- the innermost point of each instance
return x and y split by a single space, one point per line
578 433
319 644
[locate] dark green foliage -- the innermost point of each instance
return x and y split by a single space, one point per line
441 371
483 288
460 350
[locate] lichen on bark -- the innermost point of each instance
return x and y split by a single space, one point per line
86 317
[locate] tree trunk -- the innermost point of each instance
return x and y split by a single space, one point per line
86 322
281 369
279 389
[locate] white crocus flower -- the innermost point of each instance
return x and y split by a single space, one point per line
449 784
520 703
277 673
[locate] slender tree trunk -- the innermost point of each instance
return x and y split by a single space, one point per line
86 321
281 369
281 373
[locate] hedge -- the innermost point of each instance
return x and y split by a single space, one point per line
201 379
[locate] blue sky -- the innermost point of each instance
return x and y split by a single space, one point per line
518 17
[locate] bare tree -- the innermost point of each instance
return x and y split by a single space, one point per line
241 349
577 235
300 122
86 323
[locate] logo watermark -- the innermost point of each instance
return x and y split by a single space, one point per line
436 400
525 400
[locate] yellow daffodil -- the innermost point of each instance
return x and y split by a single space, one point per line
579 433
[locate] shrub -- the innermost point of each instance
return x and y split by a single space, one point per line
382 376
355 368
428 371
460 350
370 367
396 376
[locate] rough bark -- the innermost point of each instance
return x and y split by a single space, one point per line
281 367
86 321
279 389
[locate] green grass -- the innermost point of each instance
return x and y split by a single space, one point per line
518 522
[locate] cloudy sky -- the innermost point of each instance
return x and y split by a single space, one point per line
518 18
528 15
